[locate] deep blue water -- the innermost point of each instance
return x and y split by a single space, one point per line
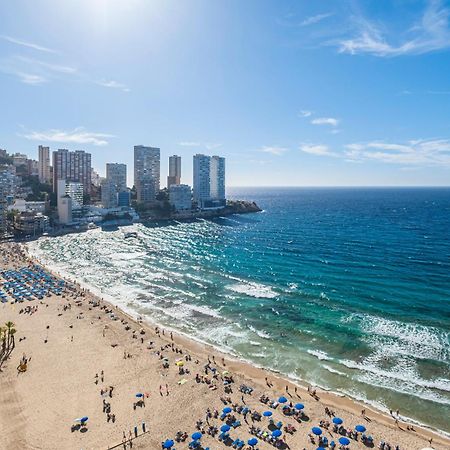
345 288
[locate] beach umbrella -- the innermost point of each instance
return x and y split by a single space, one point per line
179 363
344 441
360 428
282 400
225 372
139 395
168 444
316 430
227 410
252 442
82 419
225 428
299 406
196 436
321 448
276 433
267 413
337 420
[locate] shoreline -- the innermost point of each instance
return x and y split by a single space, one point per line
254 373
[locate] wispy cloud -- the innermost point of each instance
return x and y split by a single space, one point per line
37 63
316 149
430 34
315 19
274 150
207 145
27 44
29 78
423 152
305 113
189 144
113 85
325 121
77 136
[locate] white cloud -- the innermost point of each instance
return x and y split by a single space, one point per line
430 34
325 121
207 145
29 78
76 136
315 19
45 65
305 113
316 149
114 85
189 144
424 152
274 150
28 44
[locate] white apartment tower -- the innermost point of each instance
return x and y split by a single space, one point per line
201 179
44 164
217 177
146 173
174 170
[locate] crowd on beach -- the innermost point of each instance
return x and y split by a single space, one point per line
236 415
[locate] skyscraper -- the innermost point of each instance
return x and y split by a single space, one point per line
201 179
146 173
174 170
109 193
44 164
72 166
117 175
217 177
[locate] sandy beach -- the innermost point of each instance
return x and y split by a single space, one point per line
85 357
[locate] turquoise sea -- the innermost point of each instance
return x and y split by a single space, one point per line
348 289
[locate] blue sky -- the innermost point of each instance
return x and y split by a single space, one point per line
290 92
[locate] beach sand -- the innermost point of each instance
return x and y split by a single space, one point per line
69 346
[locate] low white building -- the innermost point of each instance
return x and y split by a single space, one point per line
180 197
22 205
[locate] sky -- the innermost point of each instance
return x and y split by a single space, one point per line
292 93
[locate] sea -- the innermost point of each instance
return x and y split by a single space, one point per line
347 289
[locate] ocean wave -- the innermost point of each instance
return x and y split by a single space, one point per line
320 355
260 333
253 290
331 370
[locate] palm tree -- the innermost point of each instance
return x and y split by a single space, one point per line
10 330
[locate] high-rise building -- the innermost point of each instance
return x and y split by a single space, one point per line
72 167
201 179
180 197
217 179
44 164
174 170
117 174
124 199
146 173
109 193
76 192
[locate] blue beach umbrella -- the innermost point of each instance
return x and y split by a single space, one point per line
139 395
299 406
168 444
337 420
344 441
225 428
197 435
360 428
252 442
267 413
227 410
282 400
276 433
82 419
316 430
321 448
